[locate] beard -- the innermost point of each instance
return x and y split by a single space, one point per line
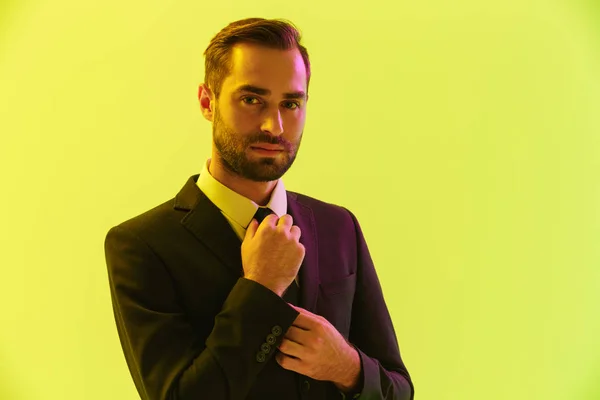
233 150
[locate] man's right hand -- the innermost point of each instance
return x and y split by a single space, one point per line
272 253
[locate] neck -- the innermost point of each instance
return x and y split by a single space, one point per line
258 192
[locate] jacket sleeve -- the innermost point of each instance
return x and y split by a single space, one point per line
383 374
166 356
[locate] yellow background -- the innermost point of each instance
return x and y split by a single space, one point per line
464 135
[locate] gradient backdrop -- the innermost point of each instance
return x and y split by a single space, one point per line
464 136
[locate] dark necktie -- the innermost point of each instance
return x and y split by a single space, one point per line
291 294
262 213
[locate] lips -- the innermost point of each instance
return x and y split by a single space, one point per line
267 147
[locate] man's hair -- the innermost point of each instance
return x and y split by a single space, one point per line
277 34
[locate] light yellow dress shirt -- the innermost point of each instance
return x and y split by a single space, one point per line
237 209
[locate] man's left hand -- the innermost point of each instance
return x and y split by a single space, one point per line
314 348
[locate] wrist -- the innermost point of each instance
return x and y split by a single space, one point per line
349 381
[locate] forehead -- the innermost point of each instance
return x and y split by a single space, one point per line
261 66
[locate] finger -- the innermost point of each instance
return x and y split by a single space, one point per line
285 356
280 358
251 230
286 218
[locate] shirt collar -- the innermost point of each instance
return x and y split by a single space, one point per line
235 206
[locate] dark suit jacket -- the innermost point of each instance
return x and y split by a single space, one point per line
192 327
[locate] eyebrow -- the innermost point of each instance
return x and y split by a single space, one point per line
263 92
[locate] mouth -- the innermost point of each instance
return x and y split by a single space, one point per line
265 151
267 147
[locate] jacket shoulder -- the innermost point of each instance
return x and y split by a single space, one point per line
322 210
150 220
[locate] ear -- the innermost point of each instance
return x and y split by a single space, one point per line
206 99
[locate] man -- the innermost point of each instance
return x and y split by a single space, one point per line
212 303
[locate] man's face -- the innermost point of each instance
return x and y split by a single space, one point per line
243 119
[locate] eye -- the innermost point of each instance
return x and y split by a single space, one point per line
288 102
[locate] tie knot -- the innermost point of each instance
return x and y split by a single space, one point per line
262 213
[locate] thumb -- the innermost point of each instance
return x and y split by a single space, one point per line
251 230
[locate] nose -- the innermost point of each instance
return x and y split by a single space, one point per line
273 124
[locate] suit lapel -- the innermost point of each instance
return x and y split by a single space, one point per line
209 226
309 269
